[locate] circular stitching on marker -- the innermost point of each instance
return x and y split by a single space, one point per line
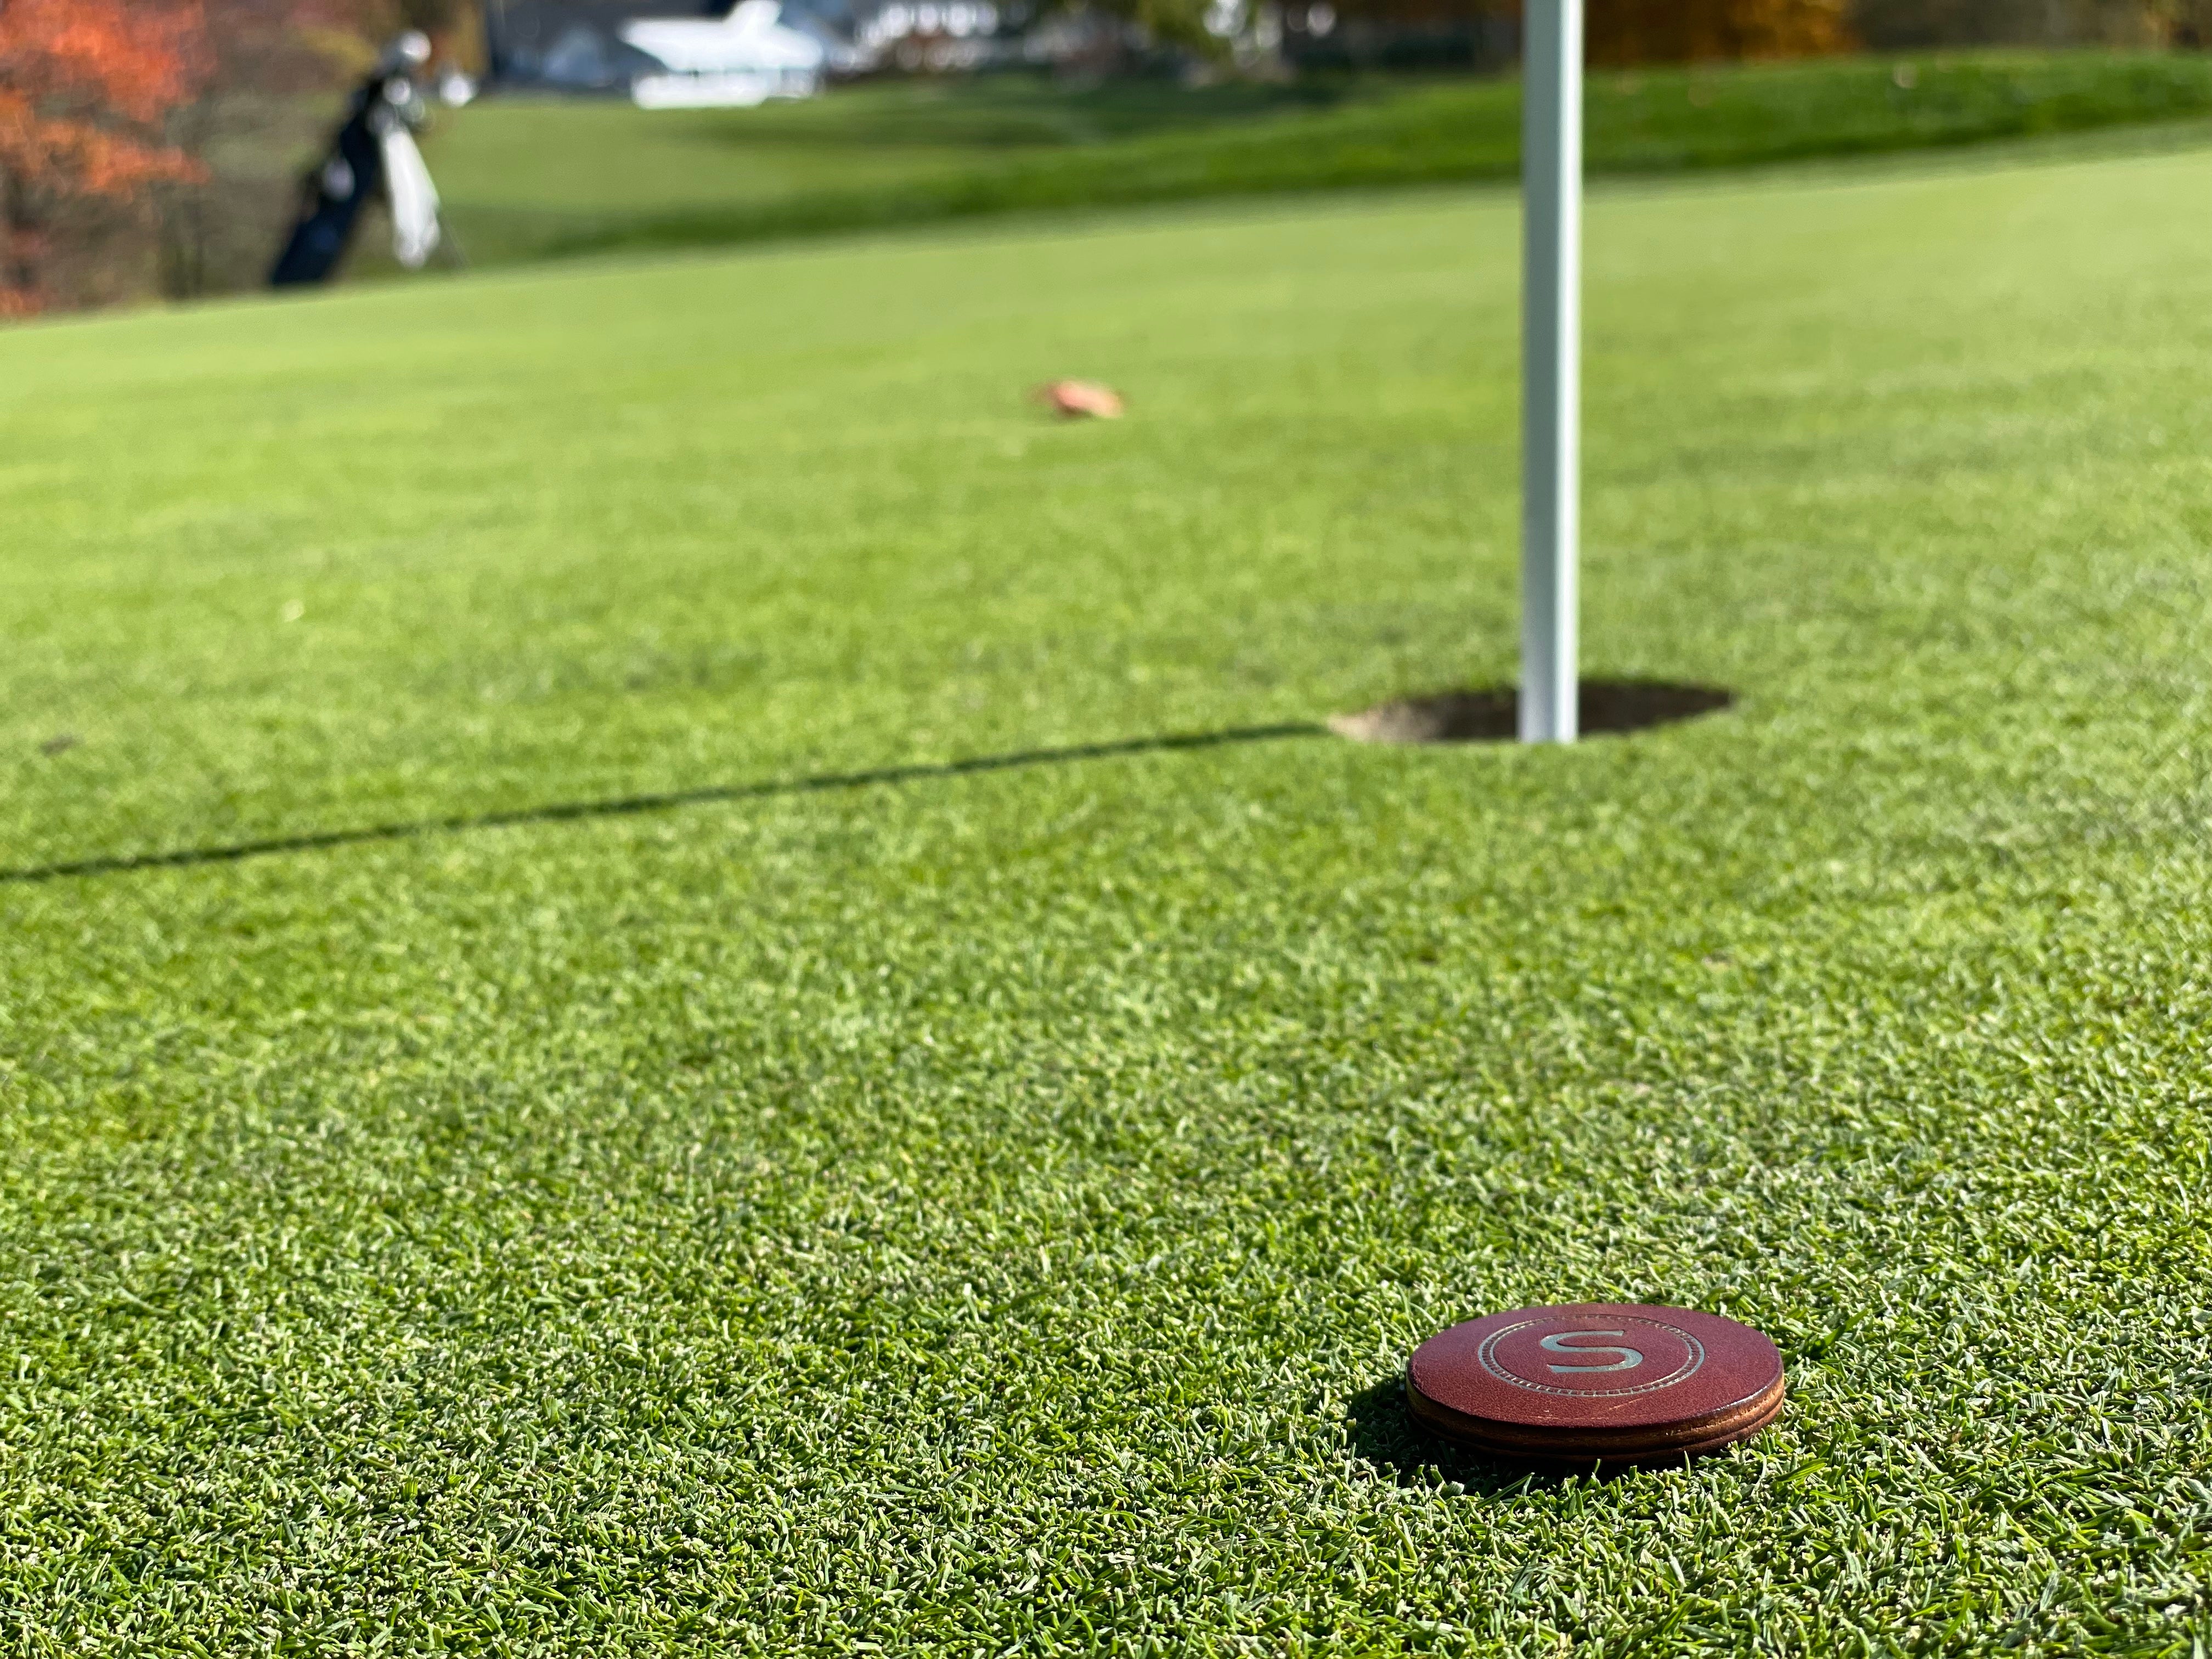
1681 1373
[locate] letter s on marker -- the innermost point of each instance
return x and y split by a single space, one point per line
1557 1343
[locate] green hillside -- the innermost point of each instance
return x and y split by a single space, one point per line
931 1118
527 179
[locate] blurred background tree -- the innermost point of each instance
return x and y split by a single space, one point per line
1684 31
249 115
1623 32
87 89
153 145
1892 24
1485 32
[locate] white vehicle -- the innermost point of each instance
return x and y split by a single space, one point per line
740 60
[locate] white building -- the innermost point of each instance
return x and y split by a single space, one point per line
743 59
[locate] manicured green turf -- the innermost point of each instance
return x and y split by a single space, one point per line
528 179
986 1213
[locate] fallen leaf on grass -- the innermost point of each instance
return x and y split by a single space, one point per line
1076 398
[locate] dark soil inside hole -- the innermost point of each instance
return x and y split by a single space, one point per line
1491 714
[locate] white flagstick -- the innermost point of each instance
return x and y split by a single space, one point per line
1551 367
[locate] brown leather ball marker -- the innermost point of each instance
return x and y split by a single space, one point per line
1596 1384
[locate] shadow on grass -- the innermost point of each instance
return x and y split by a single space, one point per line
629 806
1477 716
1384 1432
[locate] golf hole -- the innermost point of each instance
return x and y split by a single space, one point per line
1490 715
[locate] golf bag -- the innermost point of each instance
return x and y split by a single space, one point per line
373 154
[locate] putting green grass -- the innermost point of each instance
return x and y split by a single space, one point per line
527 180
987 1212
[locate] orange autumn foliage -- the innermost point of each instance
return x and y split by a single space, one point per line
85 86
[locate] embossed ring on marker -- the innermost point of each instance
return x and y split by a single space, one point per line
1591 1384
1689 1362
